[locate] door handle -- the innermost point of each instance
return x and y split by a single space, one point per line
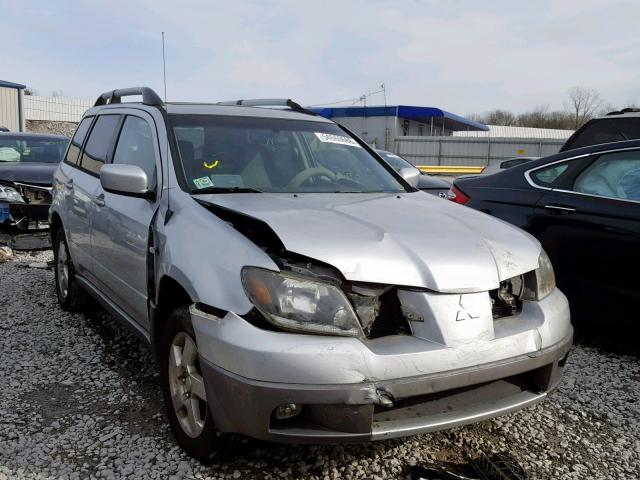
99 200
69 184
560 209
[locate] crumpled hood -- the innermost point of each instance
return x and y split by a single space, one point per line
36 173
411 239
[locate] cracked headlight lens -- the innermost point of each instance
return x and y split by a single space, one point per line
9 194
299 303
545 277
540 282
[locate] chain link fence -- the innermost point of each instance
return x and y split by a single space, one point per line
55 109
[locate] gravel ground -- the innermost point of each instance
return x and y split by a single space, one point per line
81 400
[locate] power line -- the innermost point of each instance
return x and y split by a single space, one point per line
355 99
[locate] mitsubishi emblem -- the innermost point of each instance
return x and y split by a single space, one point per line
463 313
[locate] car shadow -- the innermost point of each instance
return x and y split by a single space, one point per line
622 341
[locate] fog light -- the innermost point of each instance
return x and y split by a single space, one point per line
288 410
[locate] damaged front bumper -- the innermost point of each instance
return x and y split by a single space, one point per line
348 390
24 226
381 410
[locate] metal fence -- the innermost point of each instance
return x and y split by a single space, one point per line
56 109
472 151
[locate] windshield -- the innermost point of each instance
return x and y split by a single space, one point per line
31 150
240 154
394 160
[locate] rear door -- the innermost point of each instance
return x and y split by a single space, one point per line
589 223
75 218
120 233
86 184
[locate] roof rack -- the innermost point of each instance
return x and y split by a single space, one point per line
149 96
270 102
624 110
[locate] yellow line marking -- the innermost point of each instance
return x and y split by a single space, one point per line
450 169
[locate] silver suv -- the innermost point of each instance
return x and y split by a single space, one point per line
293 286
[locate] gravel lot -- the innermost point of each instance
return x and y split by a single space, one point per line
80 399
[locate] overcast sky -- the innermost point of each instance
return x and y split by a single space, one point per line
462 56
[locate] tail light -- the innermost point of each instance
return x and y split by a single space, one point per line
456 195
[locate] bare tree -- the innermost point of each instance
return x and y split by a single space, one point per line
611 108
536 118
476 117
583 104
496 117
607 108
541 117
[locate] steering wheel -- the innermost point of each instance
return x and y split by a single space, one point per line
305 175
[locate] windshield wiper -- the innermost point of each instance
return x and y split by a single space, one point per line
226 190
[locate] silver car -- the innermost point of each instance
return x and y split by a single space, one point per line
294 287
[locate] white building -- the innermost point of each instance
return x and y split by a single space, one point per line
501 131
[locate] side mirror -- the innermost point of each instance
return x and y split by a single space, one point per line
128 180
411 175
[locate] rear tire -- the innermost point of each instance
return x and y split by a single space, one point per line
71 297
183 388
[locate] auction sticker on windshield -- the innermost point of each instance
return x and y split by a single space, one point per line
202 182
330 138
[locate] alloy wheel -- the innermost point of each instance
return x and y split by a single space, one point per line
62 269
187 385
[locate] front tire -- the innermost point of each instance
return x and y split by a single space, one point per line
70 296
183 388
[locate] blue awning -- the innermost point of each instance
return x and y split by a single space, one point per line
419 114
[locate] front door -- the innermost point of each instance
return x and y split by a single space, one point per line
120 233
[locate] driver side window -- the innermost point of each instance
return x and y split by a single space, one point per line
613 175
135 147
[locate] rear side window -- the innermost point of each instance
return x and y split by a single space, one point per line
605 130
547 176
76 142
135 147
99 143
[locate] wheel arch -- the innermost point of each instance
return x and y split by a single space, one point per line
54 225
170 295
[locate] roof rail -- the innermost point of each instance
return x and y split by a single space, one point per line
149 96
269 102
625 110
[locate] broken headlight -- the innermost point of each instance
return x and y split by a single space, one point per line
299 303
545 277
9 194
540 282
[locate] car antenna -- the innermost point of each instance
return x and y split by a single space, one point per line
169 213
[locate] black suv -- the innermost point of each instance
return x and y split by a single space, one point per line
613 127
